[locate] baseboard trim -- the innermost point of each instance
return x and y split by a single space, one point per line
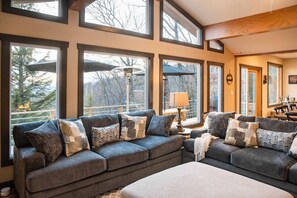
7 184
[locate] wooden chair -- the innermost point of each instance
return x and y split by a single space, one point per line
292 116
293 106
280 112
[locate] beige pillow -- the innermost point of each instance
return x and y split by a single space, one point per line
242 134
133 127
74 136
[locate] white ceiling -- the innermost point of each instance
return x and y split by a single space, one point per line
216 11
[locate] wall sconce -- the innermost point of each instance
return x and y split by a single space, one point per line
265 79
229 78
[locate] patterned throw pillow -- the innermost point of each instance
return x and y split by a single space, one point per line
242 134
219 124
293 149
133 127
160 125
279 141
103 135
46 139
74 135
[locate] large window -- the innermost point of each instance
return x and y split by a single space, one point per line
274 83
53 10
179 27
133 17
113 81
215 86
33 85
182 75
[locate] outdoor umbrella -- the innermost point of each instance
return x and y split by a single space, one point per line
89 66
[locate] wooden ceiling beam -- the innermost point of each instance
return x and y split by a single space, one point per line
78 5
276 20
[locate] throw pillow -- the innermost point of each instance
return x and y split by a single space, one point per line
242 134
219 124
46 139
133 127
103 135
293 149
209 117
74 135
160 125
279 141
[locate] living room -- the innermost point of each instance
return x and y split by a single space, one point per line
77 41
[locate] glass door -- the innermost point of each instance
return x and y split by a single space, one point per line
250 92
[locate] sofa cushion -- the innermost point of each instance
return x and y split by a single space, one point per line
104 135
46 139
242 134
276 125
98 121
158 145
219 124
122 154
66 170
264 161
293 174
279 141
132 127
220 151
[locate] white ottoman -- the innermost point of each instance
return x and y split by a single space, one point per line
199 180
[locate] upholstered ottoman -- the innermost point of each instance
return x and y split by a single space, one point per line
195 179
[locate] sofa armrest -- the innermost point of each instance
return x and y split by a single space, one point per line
198 132
26 160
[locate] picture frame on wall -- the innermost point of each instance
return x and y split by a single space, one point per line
292 79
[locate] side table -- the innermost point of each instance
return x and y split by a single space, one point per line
186 133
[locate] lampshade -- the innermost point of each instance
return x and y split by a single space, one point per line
179 99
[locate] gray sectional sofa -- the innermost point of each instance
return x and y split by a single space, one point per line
269 166
92 172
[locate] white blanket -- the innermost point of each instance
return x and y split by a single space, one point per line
201 145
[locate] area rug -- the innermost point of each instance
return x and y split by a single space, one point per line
111 194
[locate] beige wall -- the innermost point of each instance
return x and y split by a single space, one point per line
72 33
290 68
258 61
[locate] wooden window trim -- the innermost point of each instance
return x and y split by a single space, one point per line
150 34
6 41
6 7
281 81
82 48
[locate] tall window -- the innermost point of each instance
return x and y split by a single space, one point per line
182 75
274 83
178 26
53 10
114 82
121 16
215 86
32 86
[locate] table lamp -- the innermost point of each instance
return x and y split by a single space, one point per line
178 100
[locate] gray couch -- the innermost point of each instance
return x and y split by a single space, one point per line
92 172
269 166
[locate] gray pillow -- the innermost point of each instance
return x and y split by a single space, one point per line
46 139
279 141
293 149
160 125
219 124
104 135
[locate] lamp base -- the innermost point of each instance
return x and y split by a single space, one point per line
180 128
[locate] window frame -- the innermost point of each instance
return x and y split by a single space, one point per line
6 41
6 7
82 48
216 50
211 63
104 28
186 15
280 86
163 57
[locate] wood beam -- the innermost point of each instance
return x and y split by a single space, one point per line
276 20
78 5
